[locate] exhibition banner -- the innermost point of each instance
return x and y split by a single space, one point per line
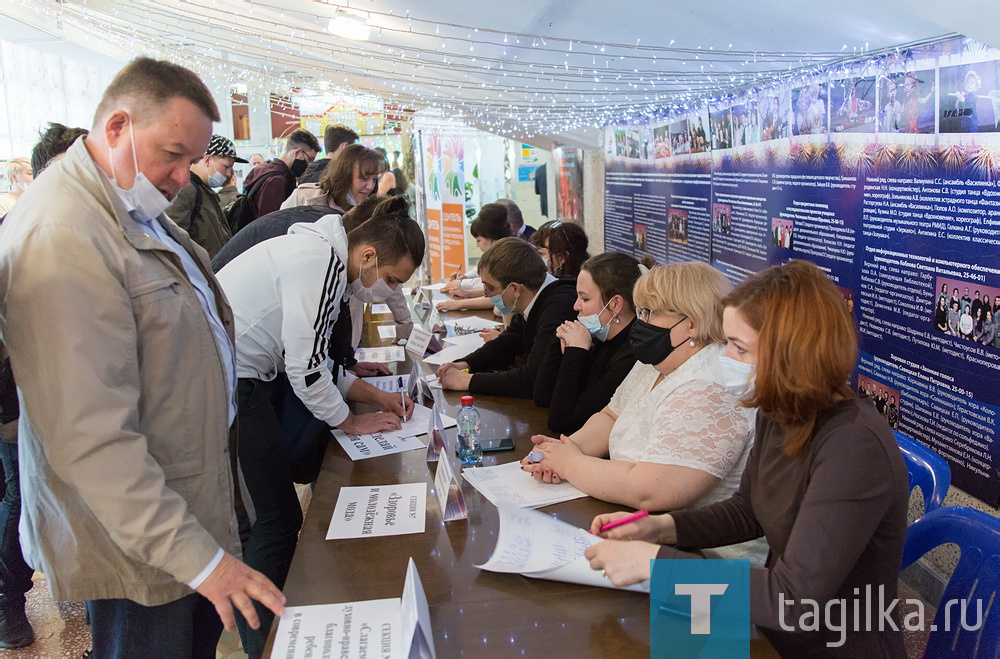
887 176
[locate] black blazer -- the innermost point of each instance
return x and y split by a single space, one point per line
526 337
579 383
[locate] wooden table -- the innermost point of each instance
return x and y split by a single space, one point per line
473 612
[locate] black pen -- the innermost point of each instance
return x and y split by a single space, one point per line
402 400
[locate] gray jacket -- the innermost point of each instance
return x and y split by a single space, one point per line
127 489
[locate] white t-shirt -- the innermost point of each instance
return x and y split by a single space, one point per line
691 420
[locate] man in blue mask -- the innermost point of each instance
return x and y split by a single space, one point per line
128 482
197 208
517 282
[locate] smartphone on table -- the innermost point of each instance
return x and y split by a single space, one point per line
491 445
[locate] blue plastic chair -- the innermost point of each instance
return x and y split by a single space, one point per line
927 470
976 580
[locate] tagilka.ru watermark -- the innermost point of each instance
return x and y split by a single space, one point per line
807 615
702 609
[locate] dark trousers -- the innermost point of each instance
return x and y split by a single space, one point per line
15 575
268 479
188 627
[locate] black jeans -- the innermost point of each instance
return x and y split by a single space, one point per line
188 627
15 575
268 478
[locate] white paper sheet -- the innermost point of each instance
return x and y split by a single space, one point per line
381 355
473 323
397 627
387 331
451 501
434 287
388 383
507 485
417 342
542 547
361 447
471 340
330 629
367 512
449 354
380 308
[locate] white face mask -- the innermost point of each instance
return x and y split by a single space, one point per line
737 377
142 197
374 294
22 185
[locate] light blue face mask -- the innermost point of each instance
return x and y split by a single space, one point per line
737 376
497 301
594 326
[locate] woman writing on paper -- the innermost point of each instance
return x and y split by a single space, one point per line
467 290
825 483
676 436
581 372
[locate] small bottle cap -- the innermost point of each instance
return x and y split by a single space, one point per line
466 400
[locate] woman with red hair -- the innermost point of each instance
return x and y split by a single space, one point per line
825 483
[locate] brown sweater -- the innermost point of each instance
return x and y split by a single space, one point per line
834 518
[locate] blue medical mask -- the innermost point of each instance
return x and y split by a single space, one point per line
594 326
737 376
217 180
143 198
497 301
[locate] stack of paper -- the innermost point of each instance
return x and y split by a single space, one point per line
542 547
470 340
507 485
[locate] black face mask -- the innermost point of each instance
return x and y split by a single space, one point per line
651 344
299 166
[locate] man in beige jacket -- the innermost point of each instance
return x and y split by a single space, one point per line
121 343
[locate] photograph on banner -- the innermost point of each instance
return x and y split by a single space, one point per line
722 129
781 232
967 310
680 138
809 105
848 298
775 114
886 399
970 98
620 142
677 226
907 102
698 132
661 142
723 214
852 106
746 123
569 183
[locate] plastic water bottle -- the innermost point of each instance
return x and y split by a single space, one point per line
469 450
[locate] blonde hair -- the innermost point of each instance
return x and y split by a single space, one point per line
692 289
17 167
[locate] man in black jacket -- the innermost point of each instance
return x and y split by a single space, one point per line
515 278
335 138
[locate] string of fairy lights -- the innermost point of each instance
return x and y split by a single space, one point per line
501 80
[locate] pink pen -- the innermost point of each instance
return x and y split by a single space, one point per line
628 519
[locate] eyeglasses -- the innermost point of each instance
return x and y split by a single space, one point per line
644 314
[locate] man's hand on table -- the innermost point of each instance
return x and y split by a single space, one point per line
234 583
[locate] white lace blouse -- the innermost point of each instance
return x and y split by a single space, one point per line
691 420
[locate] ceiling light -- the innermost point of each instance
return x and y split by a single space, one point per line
349 25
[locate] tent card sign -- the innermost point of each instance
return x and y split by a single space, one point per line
449 493
420 340
435 435
371 511
542 547
397 628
